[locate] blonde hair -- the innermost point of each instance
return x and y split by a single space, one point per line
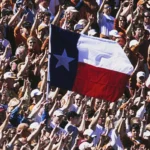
31 38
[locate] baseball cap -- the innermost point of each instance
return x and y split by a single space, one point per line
9 75
71 8
114 33
92 32
34 125
81 24
140 74
133 43
58 113
42 26
85 145
72 114
89 132
35 92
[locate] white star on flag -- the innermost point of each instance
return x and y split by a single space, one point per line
63 60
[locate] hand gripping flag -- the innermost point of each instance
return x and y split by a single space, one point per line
87 65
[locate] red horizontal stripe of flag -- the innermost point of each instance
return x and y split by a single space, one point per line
99 82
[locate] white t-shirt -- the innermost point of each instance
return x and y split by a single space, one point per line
98 131
105 23
115 140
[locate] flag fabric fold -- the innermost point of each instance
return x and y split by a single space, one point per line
87 65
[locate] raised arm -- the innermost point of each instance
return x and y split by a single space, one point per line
57 17
102 6
91 19
14 18
95 119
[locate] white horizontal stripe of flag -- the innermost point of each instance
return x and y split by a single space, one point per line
103 53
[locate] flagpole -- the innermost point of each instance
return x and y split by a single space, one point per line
48 70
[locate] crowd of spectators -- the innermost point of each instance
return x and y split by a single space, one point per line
65 120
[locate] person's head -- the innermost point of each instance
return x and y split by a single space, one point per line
147 17
6 3
140 77
122 21
107 9
57 116
132 111
24 129
26 27
9 79
89 135
97 103
70 13
80 25
135 131
17 145
78 99
31 42
73 117
101 120
138 30
21 53
46 18
43 30
114 35
36 95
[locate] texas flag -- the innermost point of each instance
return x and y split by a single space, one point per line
87 65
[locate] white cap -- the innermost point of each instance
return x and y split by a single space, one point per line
82 21
85 145
78 26
140 74
58 113
133 43
35 92
114 33
71 8
89 132
34 125
92 32
8 75
146 133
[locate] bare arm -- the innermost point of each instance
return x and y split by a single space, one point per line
5 123
13 19
91 19
35 133
95 119
101 7
57 17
